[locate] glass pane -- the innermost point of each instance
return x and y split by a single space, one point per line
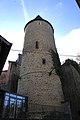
6 97
23 107
19 97
23 98
13 95
7 93
19 103
20 111
5 109
12 108
6 103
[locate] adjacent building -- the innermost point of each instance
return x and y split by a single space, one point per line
14 74
71 86
9 78
78 2
4 51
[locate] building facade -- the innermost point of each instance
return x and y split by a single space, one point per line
9 78
38 77
5 47
71 86
78 2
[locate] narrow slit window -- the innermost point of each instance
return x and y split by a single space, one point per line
39 23
44 61
37 44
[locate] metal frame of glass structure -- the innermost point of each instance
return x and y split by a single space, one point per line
12 105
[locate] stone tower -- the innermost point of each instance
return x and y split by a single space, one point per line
43 89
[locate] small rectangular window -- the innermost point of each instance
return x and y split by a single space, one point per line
37 44
43 61
39 23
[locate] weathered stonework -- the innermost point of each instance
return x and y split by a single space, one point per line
35 81
71 86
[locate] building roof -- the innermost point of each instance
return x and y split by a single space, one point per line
38 18
4 51
78 2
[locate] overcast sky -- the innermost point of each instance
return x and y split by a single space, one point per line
64 15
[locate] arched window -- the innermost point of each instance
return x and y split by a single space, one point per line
37 45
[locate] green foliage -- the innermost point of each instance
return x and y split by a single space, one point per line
57 66
56 62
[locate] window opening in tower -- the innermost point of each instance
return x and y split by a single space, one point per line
37 45
43 61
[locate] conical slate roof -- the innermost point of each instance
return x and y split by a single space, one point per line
38 18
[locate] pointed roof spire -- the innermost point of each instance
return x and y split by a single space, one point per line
38 17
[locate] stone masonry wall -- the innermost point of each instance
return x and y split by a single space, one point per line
35 82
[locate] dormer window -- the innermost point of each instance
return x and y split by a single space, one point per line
37 45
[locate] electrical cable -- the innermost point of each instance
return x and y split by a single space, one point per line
59 54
